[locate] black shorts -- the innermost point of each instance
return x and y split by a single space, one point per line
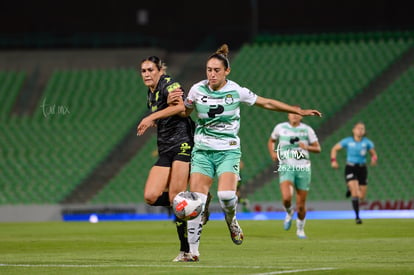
182 153
356 172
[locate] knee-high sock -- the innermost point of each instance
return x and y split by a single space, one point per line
195 227
182 234
228 202
355 205
162 200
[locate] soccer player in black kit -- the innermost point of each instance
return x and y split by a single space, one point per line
175 134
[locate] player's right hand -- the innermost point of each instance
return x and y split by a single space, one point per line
175 96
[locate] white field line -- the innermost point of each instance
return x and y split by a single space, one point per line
295 270
192 265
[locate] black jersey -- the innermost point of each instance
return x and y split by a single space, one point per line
174 130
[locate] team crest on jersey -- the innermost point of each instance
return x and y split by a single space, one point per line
229 99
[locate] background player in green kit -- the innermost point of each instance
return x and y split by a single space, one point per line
296 140
216 142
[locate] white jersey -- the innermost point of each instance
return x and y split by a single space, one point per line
288 150
218 114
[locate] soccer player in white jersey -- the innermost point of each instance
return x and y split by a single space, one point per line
216 143
296 140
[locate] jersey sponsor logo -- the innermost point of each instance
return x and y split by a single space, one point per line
301 133
215 110
233 143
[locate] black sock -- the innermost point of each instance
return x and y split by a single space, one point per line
355 205
162 200
182 234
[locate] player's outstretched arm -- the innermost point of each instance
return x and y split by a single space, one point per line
275 105
149 121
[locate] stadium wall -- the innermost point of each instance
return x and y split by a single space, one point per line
39 213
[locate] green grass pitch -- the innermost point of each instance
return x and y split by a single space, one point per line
379 246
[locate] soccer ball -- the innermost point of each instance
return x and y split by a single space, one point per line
187 205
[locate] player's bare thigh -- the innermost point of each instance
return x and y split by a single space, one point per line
178 181
200 183
157 183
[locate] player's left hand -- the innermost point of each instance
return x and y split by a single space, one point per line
309 112
144 125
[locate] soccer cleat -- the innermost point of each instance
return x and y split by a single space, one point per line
236 232
288 220
206 214
301 234
181 257
185 257
191 258
358 221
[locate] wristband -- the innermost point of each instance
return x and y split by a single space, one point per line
374 158
333 159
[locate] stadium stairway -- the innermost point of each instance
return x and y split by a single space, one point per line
121 154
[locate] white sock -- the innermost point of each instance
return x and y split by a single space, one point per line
300 224
195 228
288 210
228 202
